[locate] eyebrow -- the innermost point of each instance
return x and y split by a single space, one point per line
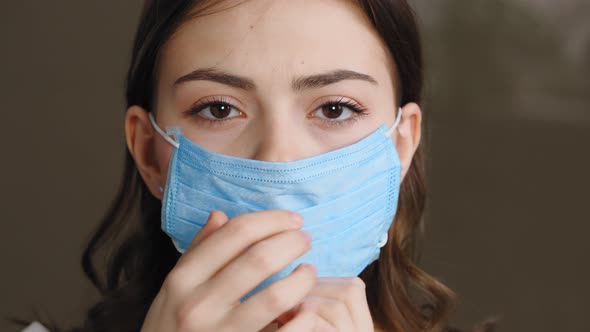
298 84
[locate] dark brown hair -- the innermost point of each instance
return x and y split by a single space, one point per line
134 256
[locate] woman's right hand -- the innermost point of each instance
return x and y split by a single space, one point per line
225 261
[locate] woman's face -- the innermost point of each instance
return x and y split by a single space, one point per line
275 80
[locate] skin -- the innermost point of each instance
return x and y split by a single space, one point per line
271 43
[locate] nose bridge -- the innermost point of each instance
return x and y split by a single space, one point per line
276 139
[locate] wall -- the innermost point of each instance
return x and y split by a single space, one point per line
508 116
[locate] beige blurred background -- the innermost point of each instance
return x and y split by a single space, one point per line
508 112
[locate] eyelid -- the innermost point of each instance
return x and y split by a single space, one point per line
236 103
336 99
196 108
358 111
219 99
354 106
213 118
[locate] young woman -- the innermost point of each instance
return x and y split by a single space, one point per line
276 144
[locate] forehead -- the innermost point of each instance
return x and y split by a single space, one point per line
272 40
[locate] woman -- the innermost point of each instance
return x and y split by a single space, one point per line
221 90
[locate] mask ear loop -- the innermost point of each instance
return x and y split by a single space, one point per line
389 132
395 124
162 133
176 145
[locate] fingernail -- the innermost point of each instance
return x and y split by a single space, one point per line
212 215
297 218
310 267
306 236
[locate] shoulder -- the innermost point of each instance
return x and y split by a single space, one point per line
35 327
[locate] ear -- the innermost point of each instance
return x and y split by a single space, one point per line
408 135
140 138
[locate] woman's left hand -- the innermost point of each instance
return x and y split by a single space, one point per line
338 304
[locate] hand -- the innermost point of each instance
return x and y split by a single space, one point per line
226 260
334 304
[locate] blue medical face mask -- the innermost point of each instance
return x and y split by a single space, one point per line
347 197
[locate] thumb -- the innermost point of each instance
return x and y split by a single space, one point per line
214 222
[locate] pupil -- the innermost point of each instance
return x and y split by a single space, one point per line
220 111
332 111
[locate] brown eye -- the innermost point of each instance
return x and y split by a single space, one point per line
332 111
220 111
217 111
335 112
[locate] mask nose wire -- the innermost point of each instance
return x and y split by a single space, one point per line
395 124
161 132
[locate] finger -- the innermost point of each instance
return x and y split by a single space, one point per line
239 233
323 326
352 292
288 315
215 220
263 307
304 321
334 312
259 262
177 282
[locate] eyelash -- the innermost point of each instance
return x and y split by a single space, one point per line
356 108
201 105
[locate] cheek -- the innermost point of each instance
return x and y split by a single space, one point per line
163 153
